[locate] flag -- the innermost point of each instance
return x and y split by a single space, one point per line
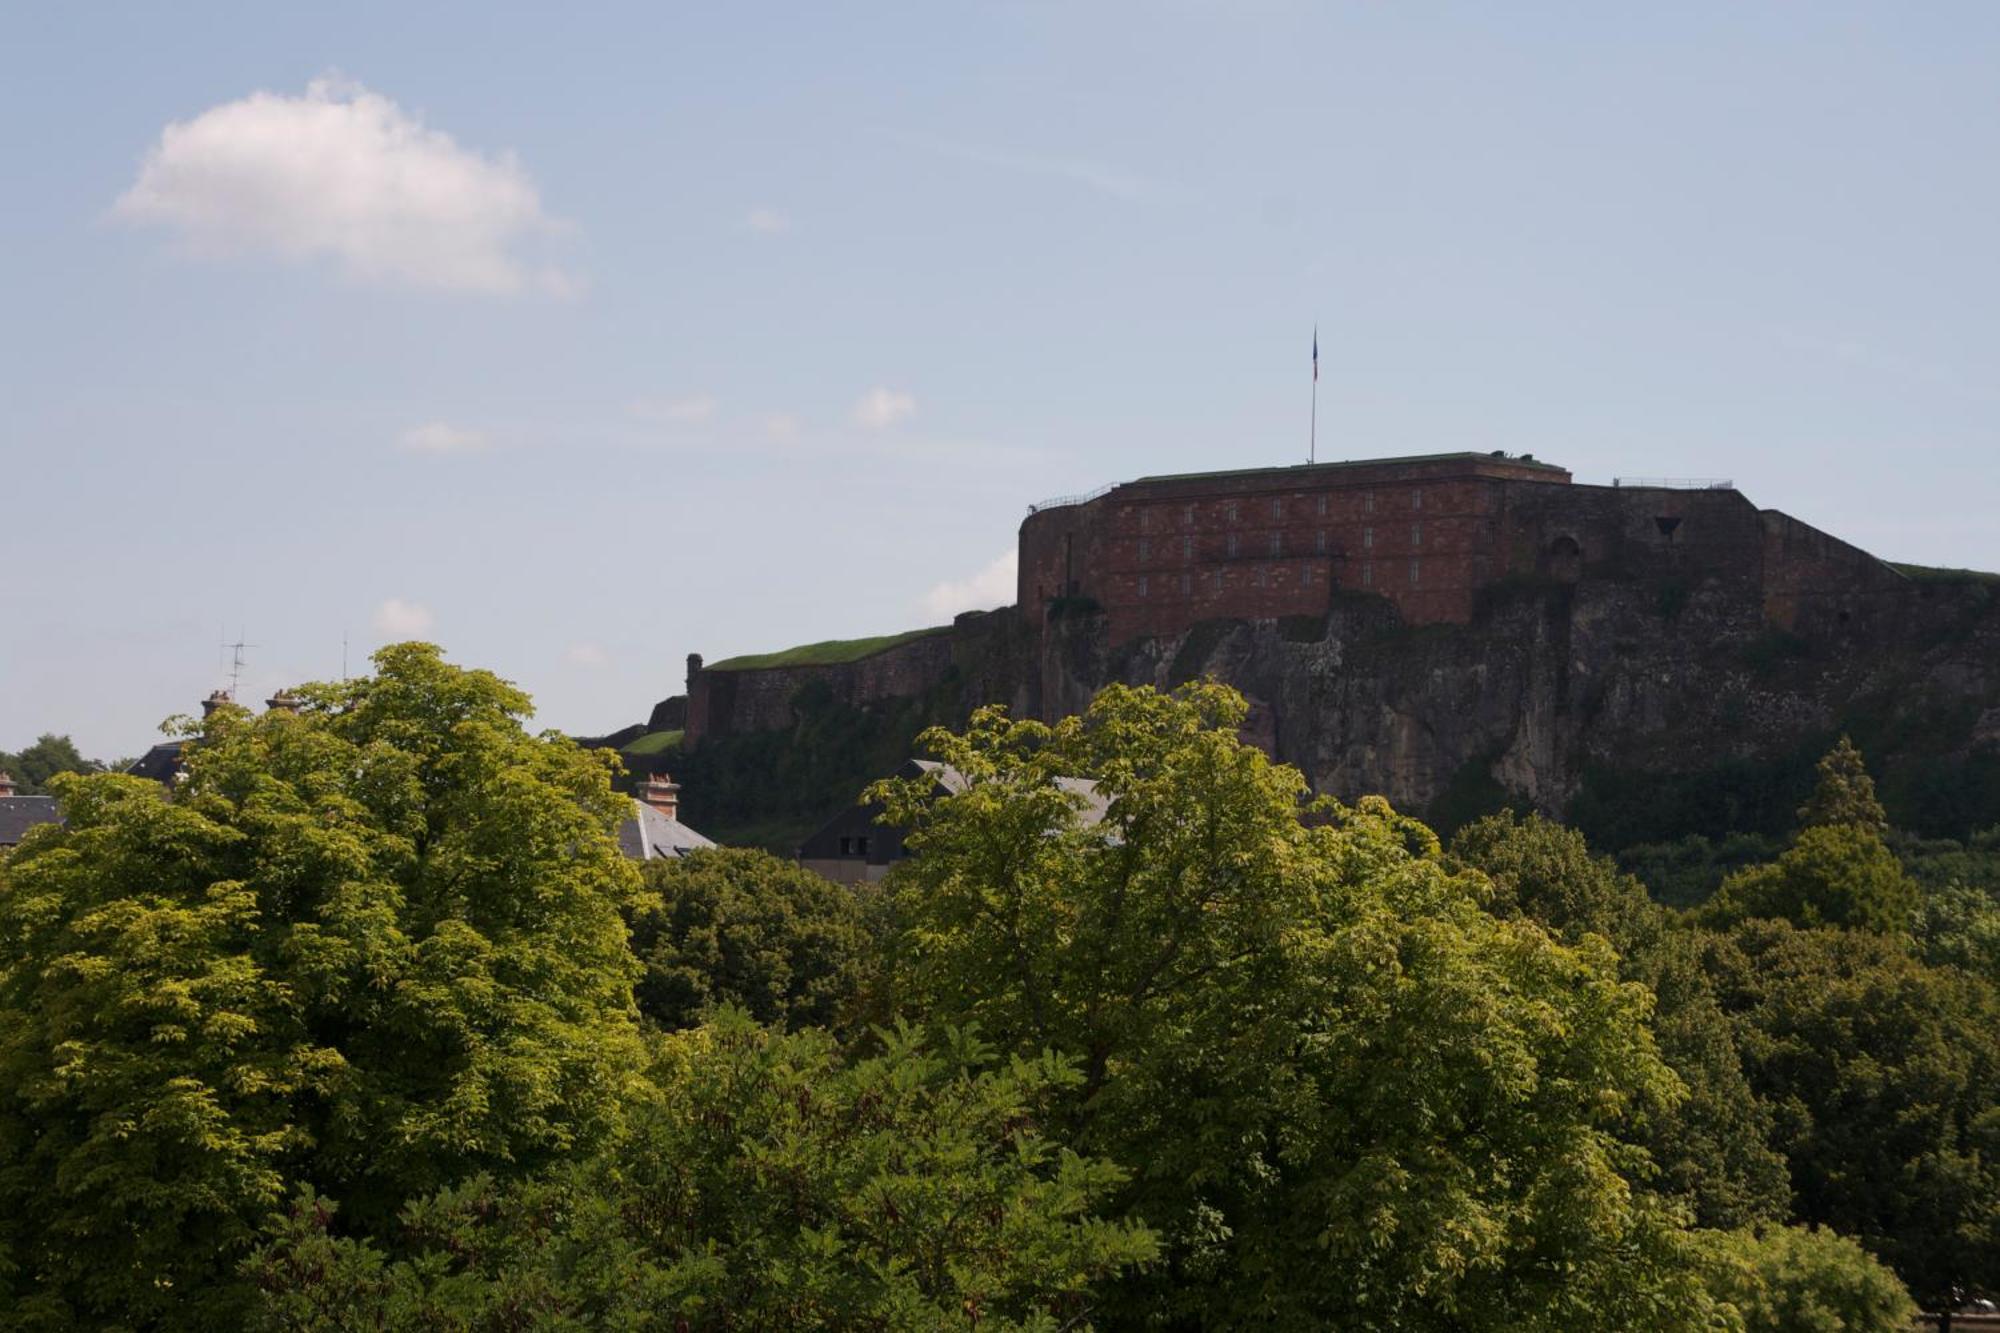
1315 354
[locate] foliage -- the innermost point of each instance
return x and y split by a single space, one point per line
1809 1280
832 652
1883 1075
369 947
765 1183
33 766
1710 1145
1959 926
1844 793
1356 1098
1831 875
741 927
1688 871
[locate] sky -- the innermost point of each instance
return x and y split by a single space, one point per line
580 338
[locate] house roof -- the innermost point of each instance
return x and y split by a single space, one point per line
953 782
161 763
649 835
18 814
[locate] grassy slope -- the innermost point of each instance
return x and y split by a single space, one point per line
656 742
830 653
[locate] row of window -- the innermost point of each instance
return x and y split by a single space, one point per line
1232 510
1306 577
1277 543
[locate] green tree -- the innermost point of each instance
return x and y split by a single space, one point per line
50 755
1845 794
1710 1146
372 946
764 1183
1884 1079
1353 1096
737 926
1809 1280
1832 875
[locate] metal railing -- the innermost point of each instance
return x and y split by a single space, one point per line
1676 483
1064 501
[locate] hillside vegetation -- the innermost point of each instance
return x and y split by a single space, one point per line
830 653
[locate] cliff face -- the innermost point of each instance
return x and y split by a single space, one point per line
1639 707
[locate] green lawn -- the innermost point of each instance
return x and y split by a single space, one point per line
830 653
1935 574
655 742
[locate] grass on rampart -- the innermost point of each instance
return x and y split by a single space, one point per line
655 742
1937 574
831 653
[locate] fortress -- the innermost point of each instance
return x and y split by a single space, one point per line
1454 631
1162 554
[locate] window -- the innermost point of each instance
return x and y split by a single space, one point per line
1229 511
1232 543
1277 543
1187 548
1415 566
1145 520
1367 573
1218 580
1416 499
1142 585
1322 504
1367 539
1257 577
847 846
861 846
1277 507
1416 534
1187 517
1319 543
1186 586
1368 501
1145 550
1306 576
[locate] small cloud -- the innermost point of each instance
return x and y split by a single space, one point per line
882 408
990 587
673 411
585 655
767 221
781 427
347 174
438 437
402 620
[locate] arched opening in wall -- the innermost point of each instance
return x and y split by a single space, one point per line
1565 562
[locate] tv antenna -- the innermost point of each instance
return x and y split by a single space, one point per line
235 651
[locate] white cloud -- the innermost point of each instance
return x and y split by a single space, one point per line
585 655
881 408
990 587
402 620
345 173
767 221
674 411
438 437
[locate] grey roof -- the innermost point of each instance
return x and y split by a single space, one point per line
18 814
162 763
1295 469
649 835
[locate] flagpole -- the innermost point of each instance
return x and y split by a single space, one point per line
1312 437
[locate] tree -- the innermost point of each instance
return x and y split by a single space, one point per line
736 926
1832 875
1809 1280
1845 794
1884 1079
1710 1145
764 1183
35 765
373 946
1352 1095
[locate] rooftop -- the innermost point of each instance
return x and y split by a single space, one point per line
1315 469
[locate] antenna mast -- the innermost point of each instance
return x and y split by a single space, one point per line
235 651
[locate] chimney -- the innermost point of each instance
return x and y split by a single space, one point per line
661 792
6 783
284 701
215 700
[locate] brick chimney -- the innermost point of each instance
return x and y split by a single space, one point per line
284 701
6 783
215 700
661 792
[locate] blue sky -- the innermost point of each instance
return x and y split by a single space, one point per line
579 339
